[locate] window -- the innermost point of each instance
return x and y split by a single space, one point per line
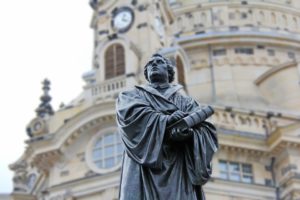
243 15
284 19
294 25
244 51
273 18
261 16
107 151
235 171
219 52
203 18
31 180
233 28
260 47
114 61
291 55
172 1
271 52
180 72
269 182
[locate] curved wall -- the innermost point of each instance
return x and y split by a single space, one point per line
230 44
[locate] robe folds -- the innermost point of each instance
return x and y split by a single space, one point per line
155 168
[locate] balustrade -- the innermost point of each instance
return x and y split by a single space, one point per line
242 122
109 87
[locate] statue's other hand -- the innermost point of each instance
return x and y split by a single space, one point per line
175 116
179 135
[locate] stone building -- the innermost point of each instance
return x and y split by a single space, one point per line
240 56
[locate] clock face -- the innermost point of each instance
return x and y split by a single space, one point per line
123 19
37 126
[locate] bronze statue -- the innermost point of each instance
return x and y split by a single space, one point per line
168 145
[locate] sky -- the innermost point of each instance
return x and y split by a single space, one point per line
38 39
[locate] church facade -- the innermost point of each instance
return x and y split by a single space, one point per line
239 56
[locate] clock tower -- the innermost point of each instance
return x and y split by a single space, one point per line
127 33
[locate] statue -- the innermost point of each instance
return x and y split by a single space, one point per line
168 152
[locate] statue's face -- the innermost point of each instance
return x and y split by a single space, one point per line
157 70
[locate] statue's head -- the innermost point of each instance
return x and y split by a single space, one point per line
159 69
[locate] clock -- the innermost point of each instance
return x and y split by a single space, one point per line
122 19
37 127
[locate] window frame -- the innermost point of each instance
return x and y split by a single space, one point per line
114 61
244 50
228 172
92 162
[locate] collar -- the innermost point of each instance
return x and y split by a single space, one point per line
160 86
169 92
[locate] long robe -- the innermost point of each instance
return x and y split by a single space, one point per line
155 168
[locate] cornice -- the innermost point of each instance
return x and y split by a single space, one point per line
274 70
234 37
77 125
181 9
94 179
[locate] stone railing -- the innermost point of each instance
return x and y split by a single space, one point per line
200 18
108 88
242 122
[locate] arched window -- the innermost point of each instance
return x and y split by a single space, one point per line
114 61
107 151
180 72
295 26
261 17
284 20
273 19
204 18
31 181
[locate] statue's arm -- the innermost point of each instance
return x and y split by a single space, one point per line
142 129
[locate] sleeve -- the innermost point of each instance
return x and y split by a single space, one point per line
142 129
199 154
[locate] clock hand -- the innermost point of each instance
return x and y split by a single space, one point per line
124 19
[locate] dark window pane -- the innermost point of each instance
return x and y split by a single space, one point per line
291 55
271 52
247 168
247 179
234 177
244 51
219 52
234 167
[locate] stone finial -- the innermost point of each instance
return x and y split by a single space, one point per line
45 107
93 3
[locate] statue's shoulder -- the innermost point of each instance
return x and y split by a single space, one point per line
141 87
188 101
130 92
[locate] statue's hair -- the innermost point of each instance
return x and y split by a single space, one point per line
171 71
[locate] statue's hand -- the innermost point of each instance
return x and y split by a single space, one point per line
175 116
177 134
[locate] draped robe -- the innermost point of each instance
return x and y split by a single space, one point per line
155 168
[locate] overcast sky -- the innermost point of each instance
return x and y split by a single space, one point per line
38 39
